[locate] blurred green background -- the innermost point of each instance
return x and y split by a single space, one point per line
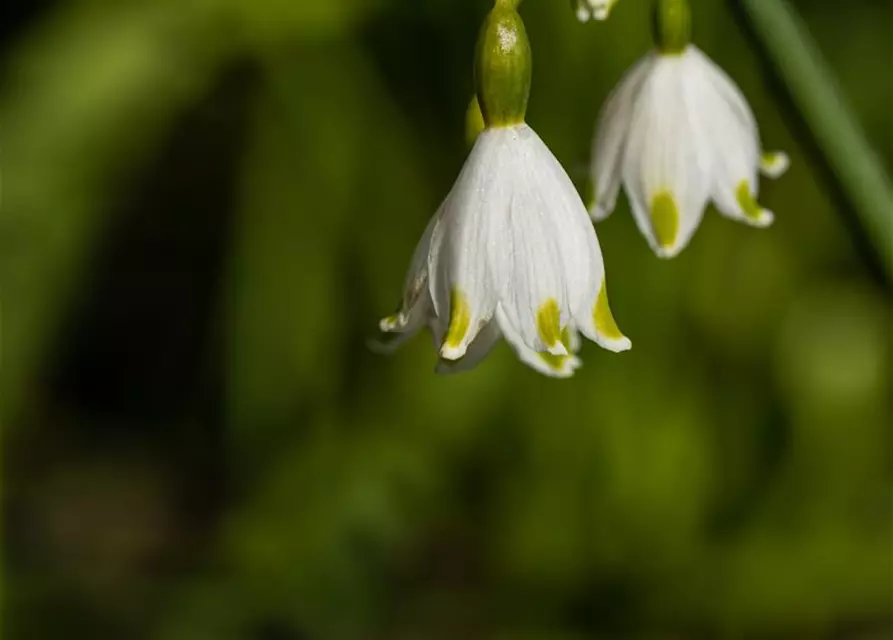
206 207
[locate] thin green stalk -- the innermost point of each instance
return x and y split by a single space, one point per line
814 90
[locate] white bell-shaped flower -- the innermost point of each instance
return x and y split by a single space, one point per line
511 251
677 133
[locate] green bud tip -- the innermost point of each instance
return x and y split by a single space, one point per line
502 66
671 26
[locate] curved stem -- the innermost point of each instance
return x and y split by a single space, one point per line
857 168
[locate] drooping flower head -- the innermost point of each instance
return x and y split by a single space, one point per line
511 251
677 133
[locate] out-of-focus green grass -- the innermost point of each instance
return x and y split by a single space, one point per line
206 208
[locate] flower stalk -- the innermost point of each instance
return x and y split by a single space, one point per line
836 130
671 26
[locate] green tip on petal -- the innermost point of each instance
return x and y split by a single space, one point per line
553 361
558 362
774 164
749 206
548 325
460 319
665 219
604 319
388 324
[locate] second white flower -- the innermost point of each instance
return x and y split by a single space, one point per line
677 133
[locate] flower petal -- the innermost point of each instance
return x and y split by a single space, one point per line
611 133
735 179
416 304
555 366
665 168
570 224
538 283
594 318
476 352
726 89
739 163
575 236
460 263
774 164
747 208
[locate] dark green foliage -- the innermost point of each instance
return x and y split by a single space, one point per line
206 208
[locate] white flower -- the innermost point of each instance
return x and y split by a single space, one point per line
511 252
598 9
677 132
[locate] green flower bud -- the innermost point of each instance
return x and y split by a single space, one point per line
671 26
502 66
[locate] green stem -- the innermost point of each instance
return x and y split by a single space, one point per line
671 28
857 168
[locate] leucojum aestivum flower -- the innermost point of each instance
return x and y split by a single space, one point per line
677 133
511 252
